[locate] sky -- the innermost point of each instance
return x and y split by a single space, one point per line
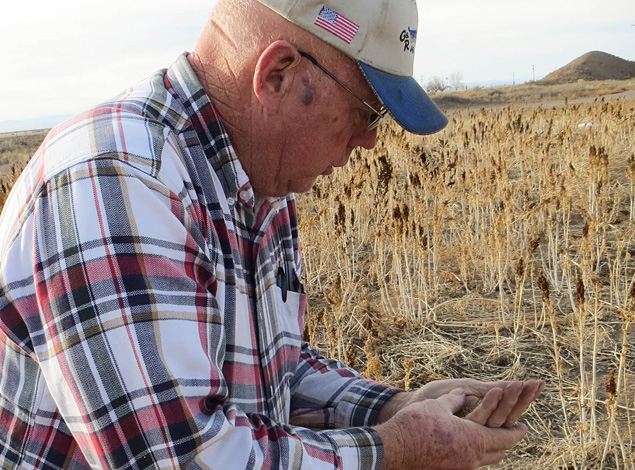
60 57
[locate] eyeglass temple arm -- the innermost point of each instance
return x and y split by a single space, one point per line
381 112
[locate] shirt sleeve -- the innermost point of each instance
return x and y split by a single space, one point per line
131 338
326 394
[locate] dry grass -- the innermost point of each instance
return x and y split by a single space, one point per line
16 148
500 248
531 92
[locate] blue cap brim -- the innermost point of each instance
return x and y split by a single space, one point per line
406 101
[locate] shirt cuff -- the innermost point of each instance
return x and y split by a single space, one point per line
360 448
360 404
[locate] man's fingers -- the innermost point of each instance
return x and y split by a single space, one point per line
507 403
503 402
483 411
530 391
541 386
516 399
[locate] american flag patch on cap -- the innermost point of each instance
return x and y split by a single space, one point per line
337 24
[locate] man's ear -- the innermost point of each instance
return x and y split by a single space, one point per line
273 74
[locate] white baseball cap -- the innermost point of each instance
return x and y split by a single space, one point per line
380 35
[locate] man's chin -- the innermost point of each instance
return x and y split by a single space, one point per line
296 186
302 186
328 171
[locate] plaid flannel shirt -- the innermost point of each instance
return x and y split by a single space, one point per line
150 305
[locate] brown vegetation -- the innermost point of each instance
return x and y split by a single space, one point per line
16 148
500 248
535 93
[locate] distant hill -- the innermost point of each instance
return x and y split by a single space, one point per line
45 122
593 66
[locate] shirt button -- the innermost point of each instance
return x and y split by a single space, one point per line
244 195
231 201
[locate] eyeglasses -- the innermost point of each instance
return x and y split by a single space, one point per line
375 116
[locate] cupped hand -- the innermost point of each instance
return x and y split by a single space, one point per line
496 404
427 434
502 407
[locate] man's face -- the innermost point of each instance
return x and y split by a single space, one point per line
323 123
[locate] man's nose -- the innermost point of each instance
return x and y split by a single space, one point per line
366 139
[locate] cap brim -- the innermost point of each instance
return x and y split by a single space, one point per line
406 101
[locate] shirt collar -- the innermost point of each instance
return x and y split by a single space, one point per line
211 132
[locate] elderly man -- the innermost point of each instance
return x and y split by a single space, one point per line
151 306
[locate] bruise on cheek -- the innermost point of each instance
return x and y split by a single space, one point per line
307 93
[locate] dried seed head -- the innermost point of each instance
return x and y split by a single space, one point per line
408 364
396 213
374 368
340 219
351 354
520 268
534 244
543 285
611 386
405 212
398 220
579 291
628 313
384 174
415 180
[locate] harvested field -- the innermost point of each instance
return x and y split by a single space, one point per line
500 248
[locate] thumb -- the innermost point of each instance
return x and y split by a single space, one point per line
453 401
